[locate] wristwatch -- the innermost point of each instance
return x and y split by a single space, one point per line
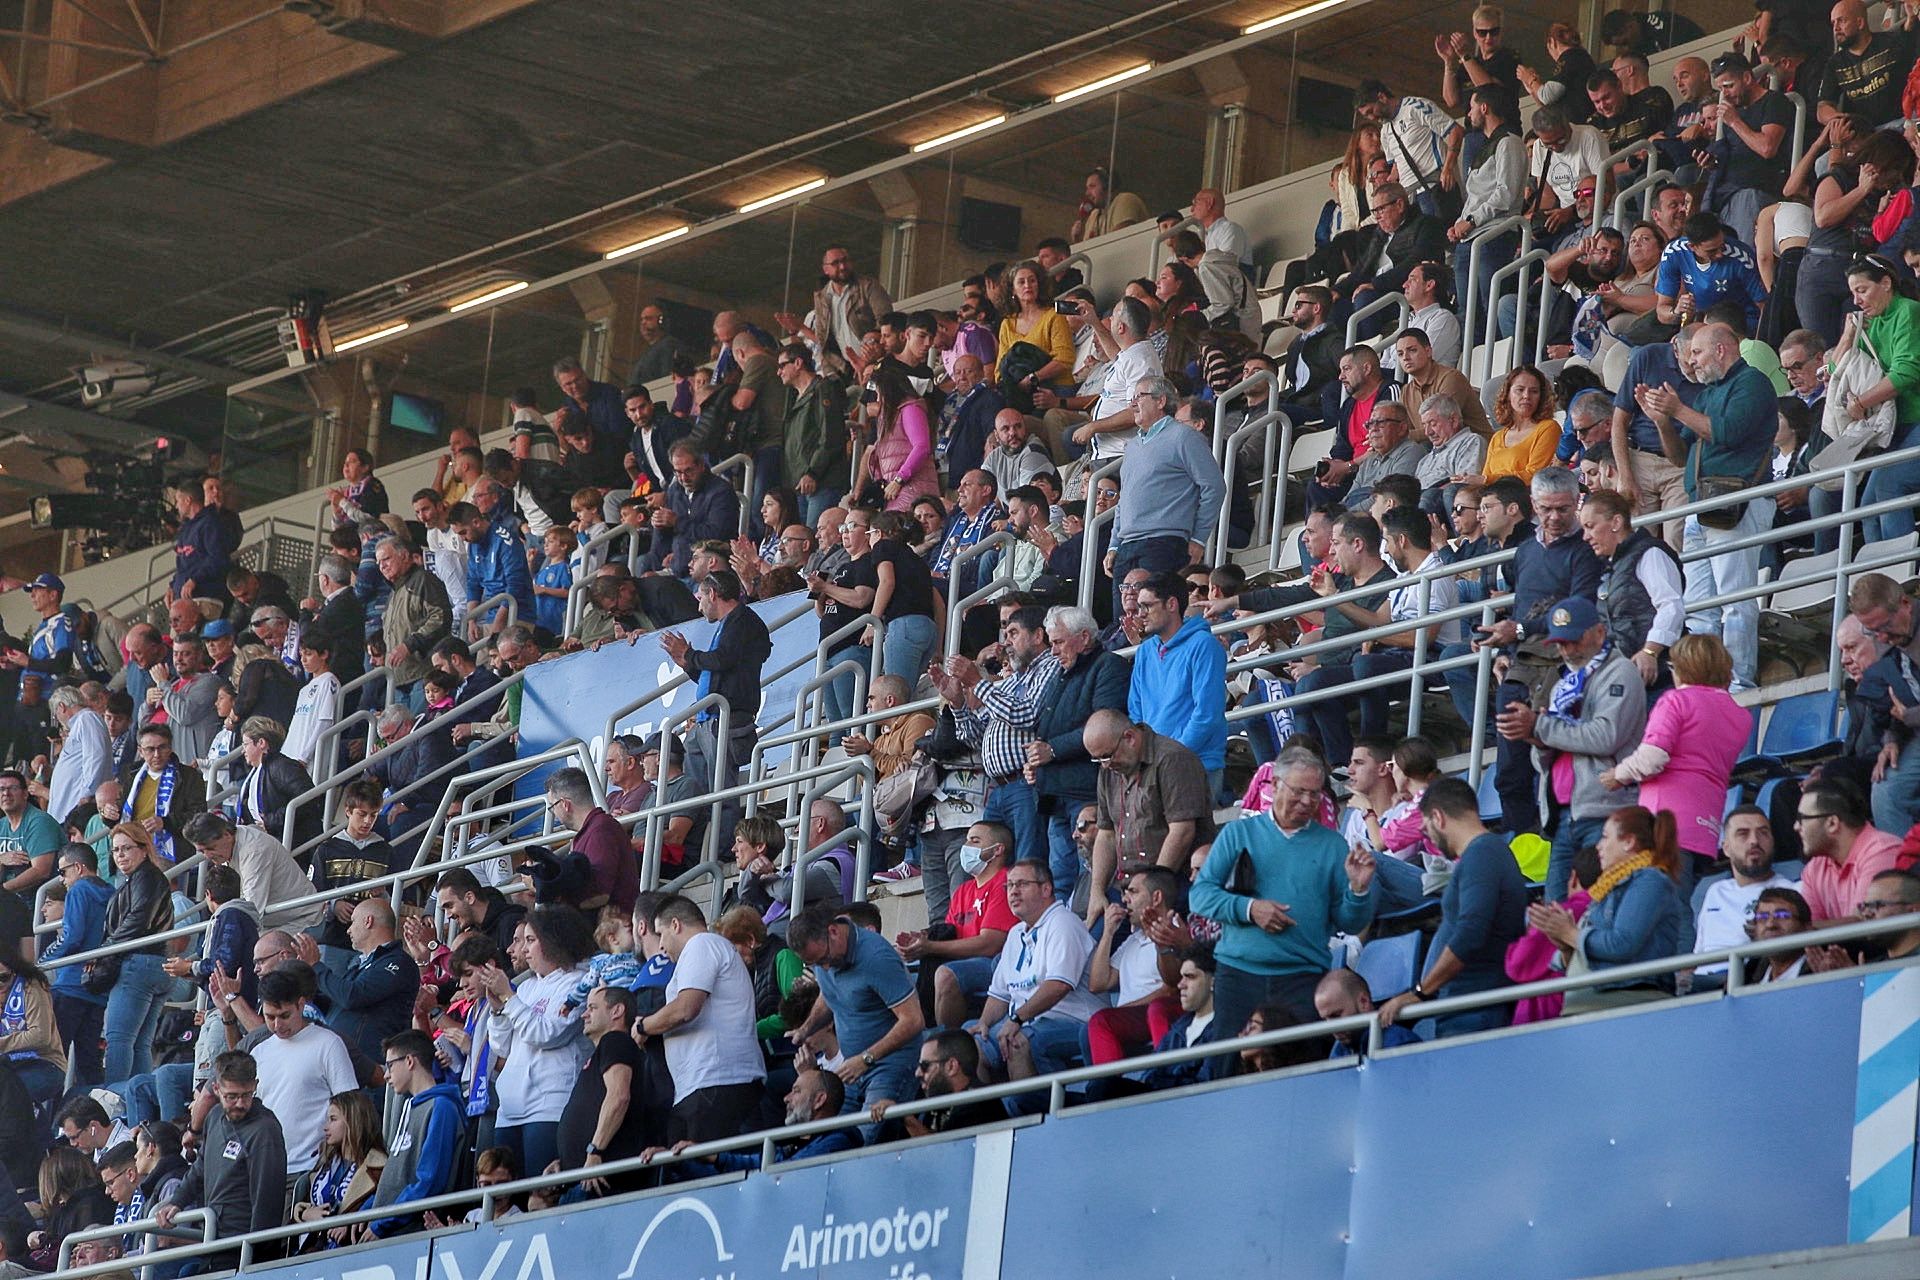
593 1149
867 1058
1418 994
1016 1020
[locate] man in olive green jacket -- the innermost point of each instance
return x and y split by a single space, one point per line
815 434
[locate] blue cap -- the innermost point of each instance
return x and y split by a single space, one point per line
49 581
218 629
1571 619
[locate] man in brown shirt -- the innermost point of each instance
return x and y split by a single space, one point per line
1422 376
1154 806
892 747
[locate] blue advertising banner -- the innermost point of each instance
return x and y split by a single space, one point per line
403 1259
895 1215
571 696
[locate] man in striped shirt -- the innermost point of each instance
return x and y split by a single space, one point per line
995 703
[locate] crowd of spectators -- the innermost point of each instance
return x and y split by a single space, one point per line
1145 811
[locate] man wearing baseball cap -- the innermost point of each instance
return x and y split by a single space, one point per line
50 644
219 637
1594 715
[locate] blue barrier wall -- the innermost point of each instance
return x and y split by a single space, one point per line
1678 1134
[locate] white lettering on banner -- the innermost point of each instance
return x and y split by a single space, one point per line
537 1262
833 1243
684 1204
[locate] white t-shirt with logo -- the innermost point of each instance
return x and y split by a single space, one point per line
1722 921
1123 374
1057 948
719 1046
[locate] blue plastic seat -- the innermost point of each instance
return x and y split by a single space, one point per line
1735 794
1489 796
1390 965
1802 725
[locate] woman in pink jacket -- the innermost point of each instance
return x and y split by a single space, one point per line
901 459
1695 733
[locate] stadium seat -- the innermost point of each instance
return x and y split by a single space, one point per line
1800 726
1900 571
1736 796
1489 796
1390 965
1308 450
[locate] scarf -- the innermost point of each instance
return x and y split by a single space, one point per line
13 1015
1617 874
162 804
1571 689
480 1089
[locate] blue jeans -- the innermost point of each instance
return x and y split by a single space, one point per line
1327 719
1056 1043
1496 253
1373 702
1896 801
814 505
537 1144
1016 804
1899 480
133 1015
81 1020
766 475
839 695
1471 1020
1399 882
1738 624
1062 856
909 646
1461 682
160 1094
1573 835
892 1077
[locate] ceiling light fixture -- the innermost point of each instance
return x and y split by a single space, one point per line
1103 82
754 206
977 127
361 340
1291 15
648 243
491 295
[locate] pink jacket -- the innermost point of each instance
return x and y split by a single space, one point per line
1702 730
905 453
1834 890
1530 959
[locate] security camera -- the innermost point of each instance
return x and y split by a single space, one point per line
111 380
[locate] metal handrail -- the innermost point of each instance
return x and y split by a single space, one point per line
1476 244
140 1226
1164 240
1002 580
1381 303
1517 267
1261 424
653 842
1055 1083
577 592
1090 537
612 724
1263 378
1646 146
744 461
498 598
1653 178
1798 147
1059 268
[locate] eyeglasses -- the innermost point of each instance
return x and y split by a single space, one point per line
1875 905
1385 204
1085 824
1484 32
922 1067
1782 915
1810 817
391 1063
1380 422
1464 511
1022 884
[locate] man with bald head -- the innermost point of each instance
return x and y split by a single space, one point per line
966 420
1723 441
1868 68
371 997
1016 457
1221 233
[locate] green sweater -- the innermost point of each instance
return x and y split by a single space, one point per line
1895 335
1305 870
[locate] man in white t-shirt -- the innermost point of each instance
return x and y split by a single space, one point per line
302 1064
1721 919
1137 970
1038 1002
1563 153
1421 140
1122 339
708 1022
317 704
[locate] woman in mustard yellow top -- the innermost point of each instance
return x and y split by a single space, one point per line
1031 318
1526 433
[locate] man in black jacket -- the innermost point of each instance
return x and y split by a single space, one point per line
162 793
1091 679
471 906
241 1172
1312 362
338 613
1401 239
730 666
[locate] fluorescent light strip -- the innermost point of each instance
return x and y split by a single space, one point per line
648 243
492 295
1103 82
363 339
1292 15
755 206
958 134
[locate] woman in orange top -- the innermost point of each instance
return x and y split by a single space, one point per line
1527 431
1031 318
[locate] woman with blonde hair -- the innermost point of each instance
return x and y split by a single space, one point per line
1634 913
1684 763
135 982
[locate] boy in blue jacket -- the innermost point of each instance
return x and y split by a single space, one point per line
426 1145
79 1013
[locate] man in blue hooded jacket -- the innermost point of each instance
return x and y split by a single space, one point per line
1179 684
424 1153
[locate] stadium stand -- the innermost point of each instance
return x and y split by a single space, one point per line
1157 700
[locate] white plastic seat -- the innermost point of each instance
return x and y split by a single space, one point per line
1308 450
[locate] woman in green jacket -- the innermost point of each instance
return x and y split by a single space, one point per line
1891 322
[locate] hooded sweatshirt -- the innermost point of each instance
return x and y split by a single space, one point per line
241 1173
543 1049
1179 690
425 1154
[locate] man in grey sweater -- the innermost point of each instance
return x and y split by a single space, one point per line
240 1173
1170 490
1594 716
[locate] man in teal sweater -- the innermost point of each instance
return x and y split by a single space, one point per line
1306 885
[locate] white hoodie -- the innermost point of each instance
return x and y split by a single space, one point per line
541 1049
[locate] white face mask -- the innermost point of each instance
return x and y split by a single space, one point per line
971 859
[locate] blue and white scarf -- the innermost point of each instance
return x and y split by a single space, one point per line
480 1092
1572 687
162 803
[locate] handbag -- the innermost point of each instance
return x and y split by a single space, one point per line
1857 370
899 795
1709 487
98 976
